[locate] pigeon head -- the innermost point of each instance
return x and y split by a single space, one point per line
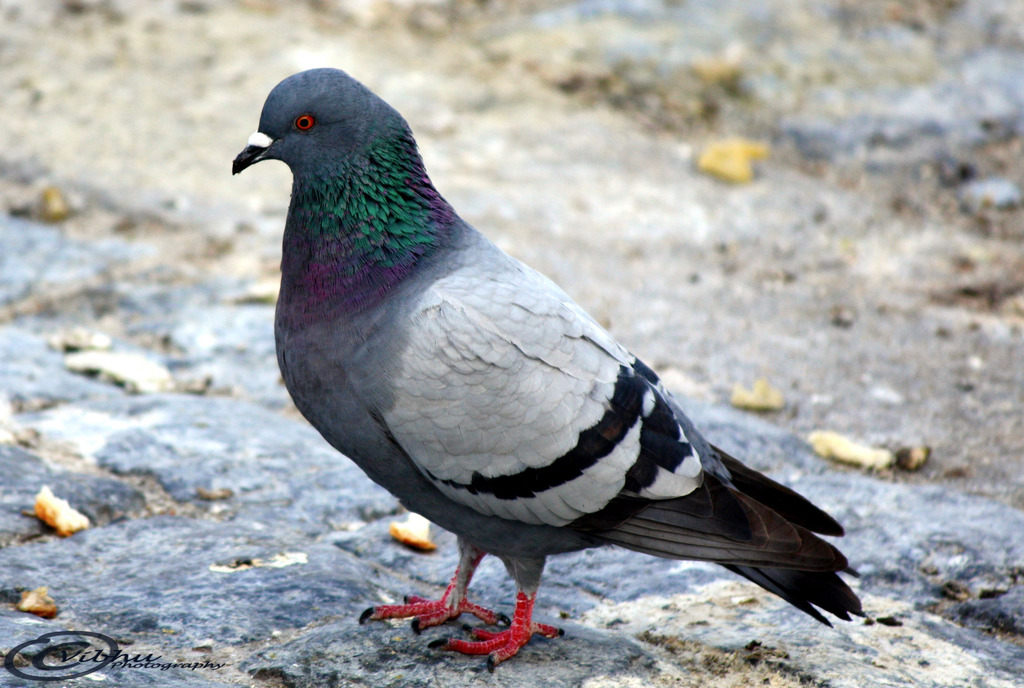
363 212
317 117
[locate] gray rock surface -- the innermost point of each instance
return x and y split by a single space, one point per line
103 500
271 579
181 582
225 531
22 382
394 661
36 257
974 101
280 474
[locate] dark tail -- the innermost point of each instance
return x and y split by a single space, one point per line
806 590
755 527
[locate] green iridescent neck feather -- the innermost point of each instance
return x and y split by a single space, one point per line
359 226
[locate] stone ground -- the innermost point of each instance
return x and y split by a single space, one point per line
861 272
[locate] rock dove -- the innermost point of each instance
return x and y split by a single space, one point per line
478 393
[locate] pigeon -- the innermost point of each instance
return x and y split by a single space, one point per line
483 397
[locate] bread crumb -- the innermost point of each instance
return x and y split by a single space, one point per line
38 602
832 445
58 514
730 160
413 532
763 397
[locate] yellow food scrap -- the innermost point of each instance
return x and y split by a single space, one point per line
413 532
763 397
38 602
730 159
832 445
53 207
58 514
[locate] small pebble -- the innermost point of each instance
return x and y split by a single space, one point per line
912 458
889 621
278 561
211 495
992 192
725 70
842 316
955 590
953 172
134 372
79 339
264 291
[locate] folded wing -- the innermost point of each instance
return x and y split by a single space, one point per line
516 403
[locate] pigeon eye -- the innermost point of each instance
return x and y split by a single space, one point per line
304 122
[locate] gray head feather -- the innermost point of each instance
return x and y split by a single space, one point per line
346 118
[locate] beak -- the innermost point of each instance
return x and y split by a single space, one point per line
255 150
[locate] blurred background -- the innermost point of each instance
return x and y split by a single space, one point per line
868 264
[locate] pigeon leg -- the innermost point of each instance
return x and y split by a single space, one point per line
427 613
500 646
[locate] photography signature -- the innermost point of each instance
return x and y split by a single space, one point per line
62 655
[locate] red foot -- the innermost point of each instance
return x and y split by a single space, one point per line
429 613
505 644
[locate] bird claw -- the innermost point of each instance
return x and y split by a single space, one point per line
501 645
427 613
498 646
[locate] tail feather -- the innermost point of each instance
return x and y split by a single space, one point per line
799 548
806 590
794 507
754 526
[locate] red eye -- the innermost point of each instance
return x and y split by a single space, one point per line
304 122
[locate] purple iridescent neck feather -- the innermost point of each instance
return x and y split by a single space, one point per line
357 227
